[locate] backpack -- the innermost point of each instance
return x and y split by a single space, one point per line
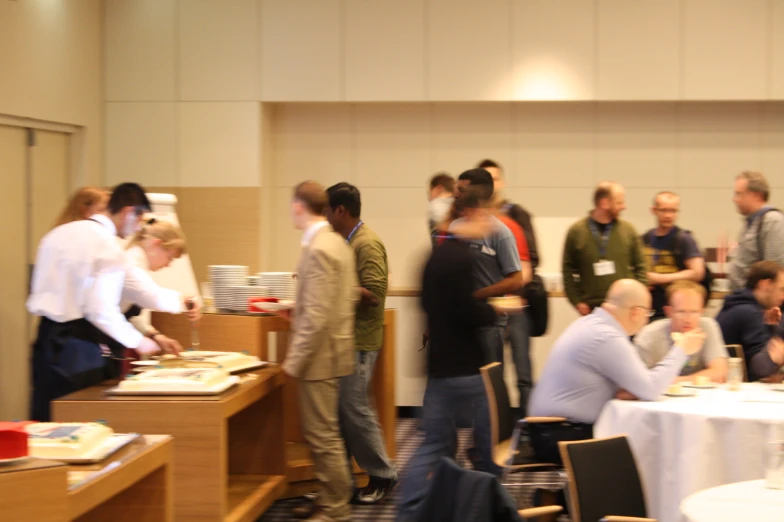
760 249
674 247
534 292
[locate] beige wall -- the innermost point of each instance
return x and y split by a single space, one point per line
51 62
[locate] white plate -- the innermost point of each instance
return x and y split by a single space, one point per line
700 386
144 363
215 390
274 307
106 449
682 394
13 461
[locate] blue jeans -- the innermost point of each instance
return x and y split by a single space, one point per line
359 422
444 400
492 340
520 340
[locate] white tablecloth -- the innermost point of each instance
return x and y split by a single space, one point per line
735 503
685 445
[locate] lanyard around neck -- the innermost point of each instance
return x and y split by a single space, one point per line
602 240
348 239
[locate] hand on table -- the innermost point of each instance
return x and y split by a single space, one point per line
147 347
583 308
773 316
167 344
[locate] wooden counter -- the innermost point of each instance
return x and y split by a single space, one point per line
229 460
233 332
132 485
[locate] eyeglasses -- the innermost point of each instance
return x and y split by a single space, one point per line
687 313
648 311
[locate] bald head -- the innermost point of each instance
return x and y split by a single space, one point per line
627 292
629 301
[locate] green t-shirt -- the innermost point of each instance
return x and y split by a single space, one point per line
373 272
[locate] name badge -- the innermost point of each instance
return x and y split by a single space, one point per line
604 268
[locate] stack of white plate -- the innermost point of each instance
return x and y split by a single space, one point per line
253 280
280 284
222 278
241 294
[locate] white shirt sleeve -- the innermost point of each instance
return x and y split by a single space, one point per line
102 300
140 289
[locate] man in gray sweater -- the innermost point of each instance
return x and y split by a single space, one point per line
762 238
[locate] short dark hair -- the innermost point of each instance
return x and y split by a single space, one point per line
347 195
128 195
481 179
488 164
312 195
469 198
442 179
762 271
603 190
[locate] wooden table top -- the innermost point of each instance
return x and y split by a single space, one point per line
29 464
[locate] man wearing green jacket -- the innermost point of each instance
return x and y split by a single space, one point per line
600 249
358 420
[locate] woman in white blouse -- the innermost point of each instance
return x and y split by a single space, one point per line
154 246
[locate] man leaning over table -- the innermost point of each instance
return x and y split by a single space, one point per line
593 359
751 318
684 309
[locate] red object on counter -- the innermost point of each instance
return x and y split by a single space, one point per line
13 440
252 300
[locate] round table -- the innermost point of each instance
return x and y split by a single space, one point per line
687 444
733 502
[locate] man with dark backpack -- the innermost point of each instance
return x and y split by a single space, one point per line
671 252
762 237
532 323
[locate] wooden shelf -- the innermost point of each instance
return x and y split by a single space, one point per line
248 496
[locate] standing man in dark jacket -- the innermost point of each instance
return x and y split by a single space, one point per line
455 354
750 318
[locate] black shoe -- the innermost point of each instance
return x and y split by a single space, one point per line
376 491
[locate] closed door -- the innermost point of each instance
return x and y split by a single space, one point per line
14 346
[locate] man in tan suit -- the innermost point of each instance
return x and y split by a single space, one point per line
322 345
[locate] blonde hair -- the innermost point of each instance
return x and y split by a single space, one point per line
757 183
170 235
685 284
83 203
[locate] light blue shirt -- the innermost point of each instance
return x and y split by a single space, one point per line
590 362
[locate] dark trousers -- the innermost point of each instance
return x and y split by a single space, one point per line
64 362
545 438
445 400
519 332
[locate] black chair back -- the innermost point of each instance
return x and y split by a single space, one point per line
500 409
603 479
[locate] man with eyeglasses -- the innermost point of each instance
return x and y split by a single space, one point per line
672 252
684 311
593 359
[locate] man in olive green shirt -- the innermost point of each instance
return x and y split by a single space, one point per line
358 420
600 249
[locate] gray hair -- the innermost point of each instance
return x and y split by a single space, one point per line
756 183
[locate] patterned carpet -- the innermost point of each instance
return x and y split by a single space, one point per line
408 440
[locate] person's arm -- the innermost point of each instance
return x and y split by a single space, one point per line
102 301
140 289
316 300
638 259
619 362
695 264
508 259
754 338
716 371
372 272
772 232
570 268
714 353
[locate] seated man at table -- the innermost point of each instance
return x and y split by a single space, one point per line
751 316
594 358
684 308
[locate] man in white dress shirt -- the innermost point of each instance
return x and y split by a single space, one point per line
81 275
